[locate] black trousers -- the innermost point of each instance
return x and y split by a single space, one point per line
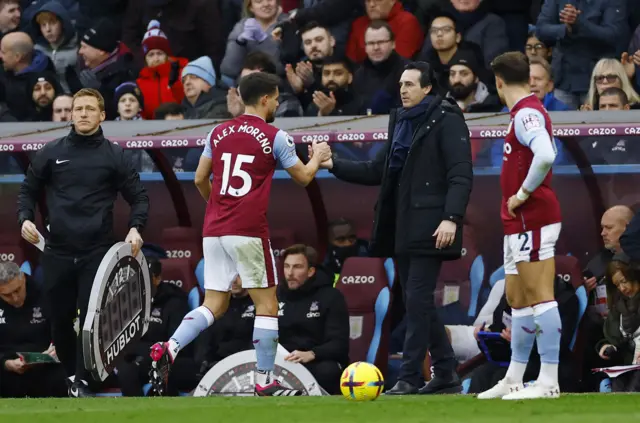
46 380
133 375
67 288
327 373
418 276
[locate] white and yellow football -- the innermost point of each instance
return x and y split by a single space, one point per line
361 381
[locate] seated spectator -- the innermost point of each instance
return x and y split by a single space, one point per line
193 27
44 89
169 111
631 59
536 48
19 62
55 36
313 319
10 14
108 63
608 73
343 243
376 81
129 101
232 333
62 108
465 86
203 98
478 26
169 306
445 39
257 61
337 97
253 33
408 33
317 43
24 329
5 113
580 39
621 343
159 80
490 373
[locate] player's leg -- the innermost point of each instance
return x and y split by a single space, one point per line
256 265
219 273
537 273
522 334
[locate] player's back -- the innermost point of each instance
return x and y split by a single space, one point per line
243 162
528 117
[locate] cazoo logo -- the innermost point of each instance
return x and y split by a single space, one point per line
174 254
7 257
564 277
358 279
176 283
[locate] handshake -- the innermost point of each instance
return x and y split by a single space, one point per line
321 152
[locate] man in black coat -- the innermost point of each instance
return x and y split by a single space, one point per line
168 308
425 173
23 329
313 318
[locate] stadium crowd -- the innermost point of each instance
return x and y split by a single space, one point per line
182 59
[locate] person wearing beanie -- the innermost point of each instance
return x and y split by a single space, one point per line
44 89
159 80
465 87
203 97
129 101
108 63
55 36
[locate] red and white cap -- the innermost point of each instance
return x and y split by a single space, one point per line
155 39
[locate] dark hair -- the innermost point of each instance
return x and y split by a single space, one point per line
166 109
630 272
512 67
256 85
259 60
379 24
155 266
338 60
611 91
443 14
342 221
307 251
312 25
425 72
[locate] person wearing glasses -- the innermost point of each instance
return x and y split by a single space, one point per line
608 73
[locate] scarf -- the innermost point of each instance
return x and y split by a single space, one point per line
403 132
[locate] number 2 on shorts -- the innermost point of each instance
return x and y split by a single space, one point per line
525 238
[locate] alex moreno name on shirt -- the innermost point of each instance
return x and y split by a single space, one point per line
259 136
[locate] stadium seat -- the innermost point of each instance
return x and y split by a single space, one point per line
200 274
178 272
11 249
182 243
281 239
461 280
496 276
390 267
364 283
568 269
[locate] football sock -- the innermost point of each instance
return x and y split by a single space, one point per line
547 318
265 341
523 334
193 323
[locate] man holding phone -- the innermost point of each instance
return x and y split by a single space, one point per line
23 332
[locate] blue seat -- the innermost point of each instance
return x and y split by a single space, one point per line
476 277
496 276
200 274
194 298
390 267
583 300
26 268
383 302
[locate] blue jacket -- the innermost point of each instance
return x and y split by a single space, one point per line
552 104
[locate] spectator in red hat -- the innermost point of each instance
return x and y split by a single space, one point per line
159 81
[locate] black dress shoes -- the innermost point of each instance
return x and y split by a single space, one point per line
440 385
403 388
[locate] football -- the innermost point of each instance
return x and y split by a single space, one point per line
361 381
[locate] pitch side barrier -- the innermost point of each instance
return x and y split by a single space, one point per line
155 145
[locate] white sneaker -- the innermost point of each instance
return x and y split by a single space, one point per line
533 391
501 389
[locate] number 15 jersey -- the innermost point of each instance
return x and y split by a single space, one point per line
244 152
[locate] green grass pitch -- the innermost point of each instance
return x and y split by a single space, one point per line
414 409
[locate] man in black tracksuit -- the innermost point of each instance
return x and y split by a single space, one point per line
426 174
81 175
168 308
23 328
313 318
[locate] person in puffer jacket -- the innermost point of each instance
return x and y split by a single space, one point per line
160 80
